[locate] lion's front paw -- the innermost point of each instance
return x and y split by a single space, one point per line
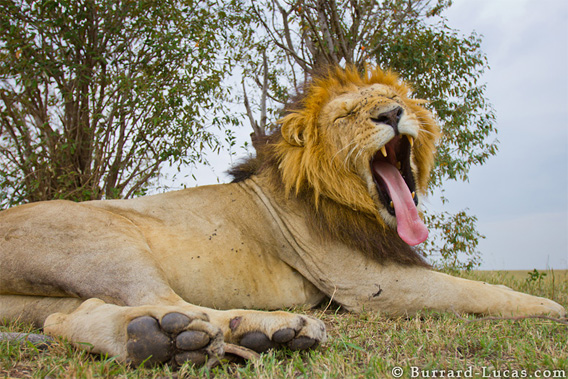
549 308
174 339
521 304
279 329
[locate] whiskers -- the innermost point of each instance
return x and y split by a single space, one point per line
353 146
422 130
356 151
425 121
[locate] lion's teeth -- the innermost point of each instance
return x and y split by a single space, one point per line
411 140
391 204
398 165
384 151
413 194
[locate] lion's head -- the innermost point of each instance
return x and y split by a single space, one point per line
358 143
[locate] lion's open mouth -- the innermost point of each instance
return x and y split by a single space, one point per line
397 153
395 185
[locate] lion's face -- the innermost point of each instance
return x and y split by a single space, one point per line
367 146
373 132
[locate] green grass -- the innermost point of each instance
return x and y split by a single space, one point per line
364 345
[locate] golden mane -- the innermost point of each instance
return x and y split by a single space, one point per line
302 164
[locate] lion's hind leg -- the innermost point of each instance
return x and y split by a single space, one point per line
34 309
139 335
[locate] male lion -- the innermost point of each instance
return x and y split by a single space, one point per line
329 208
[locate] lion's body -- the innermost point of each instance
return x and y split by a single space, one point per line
219 258
312 220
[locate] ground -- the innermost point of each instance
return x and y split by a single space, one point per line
365 345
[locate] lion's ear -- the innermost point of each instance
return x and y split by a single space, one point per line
293 126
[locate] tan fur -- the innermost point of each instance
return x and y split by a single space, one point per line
305 224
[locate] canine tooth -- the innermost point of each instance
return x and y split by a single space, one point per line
391 204
398 165
413 194
384 151
411 140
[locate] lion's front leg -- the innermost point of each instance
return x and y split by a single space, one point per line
406 290
403 290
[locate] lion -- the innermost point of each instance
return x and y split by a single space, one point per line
329 208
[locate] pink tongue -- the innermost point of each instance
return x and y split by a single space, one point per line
410 226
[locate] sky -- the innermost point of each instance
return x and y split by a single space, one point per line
520 196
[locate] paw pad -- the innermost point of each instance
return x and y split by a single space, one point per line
257 341
192 340
302 343
284 335
260 342
174 322
151 342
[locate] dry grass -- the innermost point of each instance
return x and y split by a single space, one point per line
361 346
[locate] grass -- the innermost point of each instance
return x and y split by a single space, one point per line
364 345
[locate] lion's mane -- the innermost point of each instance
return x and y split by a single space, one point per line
300 162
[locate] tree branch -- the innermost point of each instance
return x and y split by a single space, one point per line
324 27
262 125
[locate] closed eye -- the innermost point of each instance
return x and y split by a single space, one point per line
348 113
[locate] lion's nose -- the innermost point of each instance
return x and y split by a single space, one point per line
391 118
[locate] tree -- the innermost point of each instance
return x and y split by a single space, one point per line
408 36
97 95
